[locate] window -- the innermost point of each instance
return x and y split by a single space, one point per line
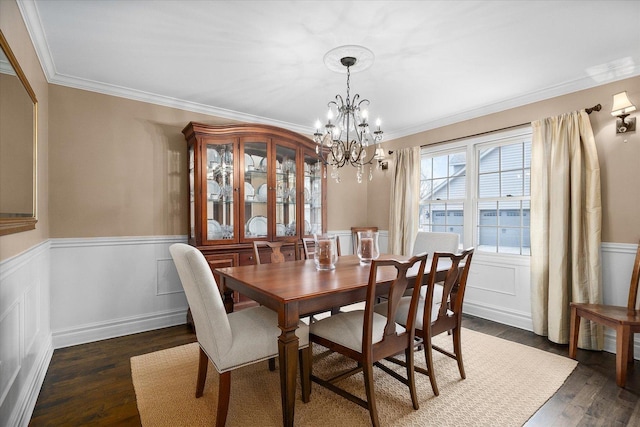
504 191
443 192
486 199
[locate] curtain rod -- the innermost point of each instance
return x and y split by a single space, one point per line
596 107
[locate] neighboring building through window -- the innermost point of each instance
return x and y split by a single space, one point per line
443 192
487 199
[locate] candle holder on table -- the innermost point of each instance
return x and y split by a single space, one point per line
367 246
326 251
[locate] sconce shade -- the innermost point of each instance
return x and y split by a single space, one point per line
379 154
621 104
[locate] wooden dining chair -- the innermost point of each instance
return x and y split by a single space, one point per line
625 321
275 256
440 311
275 250
232 340
368 337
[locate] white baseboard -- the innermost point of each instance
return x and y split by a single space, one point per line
117 328
22 412
502 315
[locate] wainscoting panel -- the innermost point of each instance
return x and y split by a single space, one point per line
498 289
168 280
10 350
107 287
25 334
490 294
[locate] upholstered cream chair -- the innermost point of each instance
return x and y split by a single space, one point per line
368 337
430 241
229 341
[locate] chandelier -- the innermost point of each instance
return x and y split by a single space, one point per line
347 138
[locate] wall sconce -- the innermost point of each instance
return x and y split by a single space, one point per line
380 157
621 109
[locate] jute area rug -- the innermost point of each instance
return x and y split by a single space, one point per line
506 384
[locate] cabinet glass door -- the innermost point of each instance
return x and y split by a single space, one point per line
312 195
255 190
219 190
192 199
286 191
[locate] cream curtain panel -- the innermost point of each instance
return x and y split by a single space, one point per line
405 191
565 226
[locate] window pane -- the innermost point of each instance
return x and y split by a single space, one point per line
457 187
425 189
489 185
487 239
527 154
527 182
509 240
512 183
487 213
489 160
509 214
511 157
455 214
439 189
426 168
440 166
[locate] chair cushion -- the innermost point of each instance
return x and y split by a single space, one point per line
405 302
346 328
255 334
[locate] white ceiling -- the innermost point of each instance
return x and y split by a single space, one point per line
436 62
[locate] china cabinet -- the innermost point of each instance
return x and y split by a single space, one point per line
251 182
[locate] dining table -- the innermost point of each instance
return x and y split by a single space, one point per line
297 289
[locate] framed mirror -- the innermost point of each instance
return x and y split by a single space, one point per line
18 142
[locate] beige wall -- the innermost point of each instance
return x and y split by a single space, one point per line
117 166
16 34
619 160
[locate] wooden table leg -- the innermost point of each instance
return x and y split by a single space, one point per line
288 352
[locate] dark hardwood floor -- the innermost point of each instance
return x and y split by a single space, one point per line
90 384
